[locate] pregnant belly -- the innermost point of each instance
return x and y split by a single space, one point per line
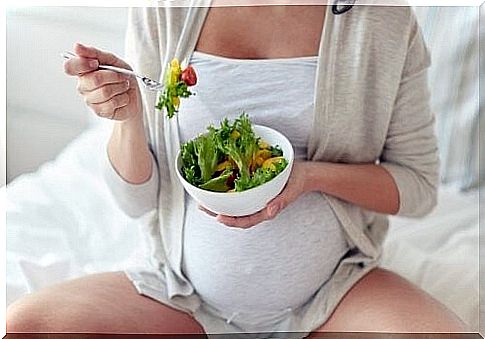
276 265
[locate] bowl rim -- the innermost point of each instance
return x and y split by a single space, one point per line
253 189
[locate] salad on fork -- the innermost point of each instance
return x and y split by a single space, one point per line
176 85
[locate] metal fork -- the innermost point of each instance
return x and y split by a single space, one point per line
150 84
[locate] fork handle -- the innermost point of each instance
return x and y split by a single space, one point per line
69 55
119 70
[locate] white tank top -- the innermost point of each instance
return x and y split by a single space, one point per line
279 264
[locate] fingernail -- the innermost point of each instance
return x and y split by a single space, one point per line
273 209
78 46
127 83
93 63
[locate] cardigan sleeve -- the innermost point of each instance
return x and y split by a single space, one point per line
410 152
133 199
137 199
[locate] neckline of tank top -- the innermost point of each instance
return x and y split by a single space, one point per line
203 55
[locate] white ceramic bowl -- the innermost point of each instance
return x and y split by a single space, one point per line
249 201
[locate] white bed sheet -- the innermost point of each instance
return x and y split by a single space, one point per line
62 223
440 252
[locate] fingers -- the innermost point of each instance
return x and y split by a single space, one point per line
79 66
272 209
202 208
112 108
241 222
104 58
106 92
276 205
269 212
245 222
89 58
94 80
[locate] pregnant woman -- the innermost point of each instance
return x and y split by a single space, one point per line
349 91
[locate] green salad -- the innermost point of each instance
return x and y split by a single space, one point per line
230 158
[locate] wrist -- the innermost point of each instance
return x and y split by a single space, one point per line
128 133
308 181
132 122
302 172
314 176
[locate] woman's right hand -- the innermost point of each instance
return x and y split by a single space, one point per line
109 94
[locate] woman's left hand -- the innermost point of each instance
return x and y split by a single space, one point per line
293 189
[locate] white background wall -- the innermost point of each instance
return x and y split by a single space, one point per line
44 111
3 169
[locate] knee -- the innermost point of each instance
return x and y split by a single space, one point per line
26 316
385 302
38 314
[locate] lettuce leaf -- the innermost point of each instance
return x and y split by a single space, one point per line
207 155
276 151
190 168
260 176
218 184
239 142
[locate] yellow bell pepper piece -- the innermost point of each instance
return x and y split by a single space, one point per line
175 71
259 161
263 144
175 63
223 165
264 154
270 163
176 101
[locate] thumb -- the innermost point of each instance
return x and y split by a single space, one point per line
104 58
276 205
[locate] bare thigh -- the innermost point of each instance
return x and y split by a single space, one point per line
382 301
100 303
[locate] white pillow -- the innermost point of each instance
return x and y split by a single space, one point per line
451 34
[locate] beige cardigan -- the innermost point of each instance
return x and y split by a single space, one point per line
371 105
